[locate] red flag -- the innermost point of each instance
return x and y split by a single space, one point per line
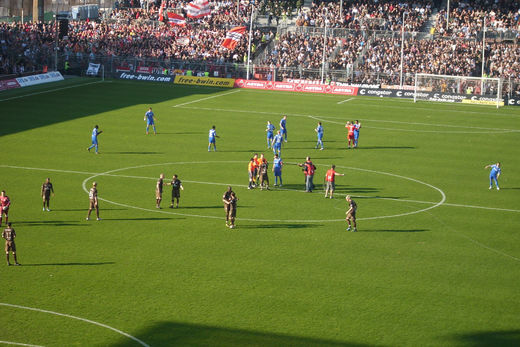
161 9
233 37
175 19
198 9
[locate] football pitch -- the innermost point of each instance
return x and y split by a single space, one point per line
435 261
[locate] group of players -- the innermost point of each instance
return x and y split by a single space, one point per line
8 234
258 167
274 142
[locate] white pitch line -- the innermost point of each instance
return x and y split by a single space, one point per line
473 240
431 109
270 220
142 343
18 344
326 119
347 100
49 91
207 98
245 186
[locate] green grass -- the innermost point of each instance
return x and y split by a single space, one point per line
289 274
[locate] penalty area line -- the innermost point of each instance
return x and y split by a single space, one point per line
49 91
346 100
207 98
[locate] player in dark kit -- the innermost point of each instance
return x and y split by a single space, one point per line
226 199
262 173
9 235
47 189
176 190
158 191
351 213
232 210
93 200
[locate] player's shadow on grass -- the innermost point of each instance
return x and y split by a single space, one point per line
350 190
487 338
56 223
383 147
140 218
186 334
72 264
207 207
393 230
142 153
304 141
280 226
182 133
86 209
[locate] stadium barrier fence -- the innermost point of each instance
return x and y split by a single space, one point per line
165 70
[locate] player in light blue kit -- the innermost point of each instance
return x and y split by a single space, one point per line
494 174
357 126
150 118
212 139
95 133
319 132
270 134
283 127
277 143
277 169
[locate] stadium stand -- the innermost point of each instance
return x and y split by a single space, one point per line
363 44
466 17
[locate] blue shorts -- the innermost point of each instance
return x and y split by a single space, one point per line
283 131
94 141
211 140
270 136
277 172
356 135
150 123
320 137
277 146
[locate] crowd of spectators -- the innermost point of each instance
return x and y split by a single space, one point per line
503 60
223 13
278 8
299 50
351 48
30 46
466 17
368 14
25 48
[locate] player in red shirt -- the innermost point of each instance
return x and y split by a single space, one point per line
350 126
330 178
4 207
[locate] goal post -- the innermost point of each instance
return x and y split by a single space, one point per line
462 89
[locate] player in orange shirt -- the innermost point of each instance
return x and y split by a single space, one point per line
251 168
330 179
350 126
258 162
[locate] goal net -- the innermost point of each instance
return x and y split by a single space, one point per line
469 90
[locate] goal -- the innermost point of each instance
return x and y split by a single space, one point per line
468 90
